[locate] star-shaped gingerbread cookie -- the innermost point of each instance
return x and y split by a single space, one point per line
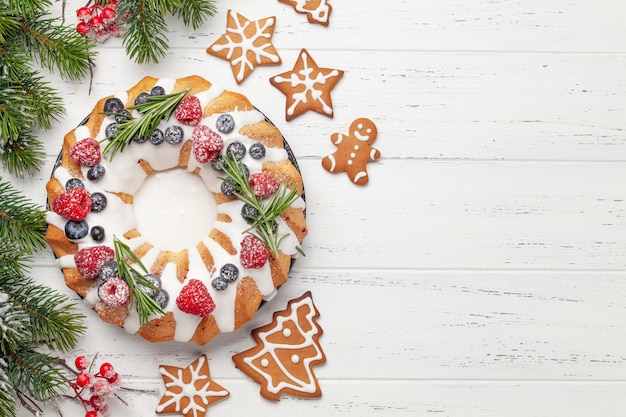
307 87
246 44
353 151
189 391
317 11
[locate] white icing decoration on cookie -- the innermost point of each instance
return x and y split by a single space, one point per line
320 14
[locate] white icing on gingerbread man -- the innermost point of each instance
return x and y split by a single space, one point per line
354 151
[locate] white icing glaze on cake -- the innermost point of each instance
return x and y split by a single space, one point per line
125 175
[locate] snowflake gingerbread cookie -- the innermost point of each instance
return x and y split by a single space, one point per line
317 11
353 151
307 87
286 351
189 391
246 44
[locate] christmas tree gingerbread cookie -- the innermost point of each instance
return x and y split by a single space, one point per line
353 151
286 351
317 11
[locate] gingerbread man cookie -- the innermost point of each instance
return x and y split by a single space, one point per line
317 11
353 151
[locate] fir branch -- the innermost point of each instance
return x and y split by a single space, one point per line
21 221
7 401
59 47
36 373
14 323
28 9
145 36
146 305
194 12
24 156
264 226
155 109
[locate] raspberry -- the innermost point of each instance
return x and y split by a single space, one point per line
207 144
195 299
114 293
189 111
90 260
263 185
253 253
86 152
74 204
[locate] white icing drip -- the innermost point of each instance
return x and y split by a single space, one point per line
124 174
270 350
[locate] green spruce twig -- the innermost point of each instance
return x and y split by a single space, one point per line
264 226
146 306
155 109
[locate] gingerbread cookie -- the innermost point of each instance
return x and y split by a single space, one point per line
354 151
307 87
286 350
317 11
246 44
189 391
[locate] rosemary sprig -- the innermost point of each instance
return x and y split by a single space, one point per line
146 306
155 109
264 227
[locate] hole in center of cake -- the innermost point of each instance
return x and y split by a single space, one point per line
174 209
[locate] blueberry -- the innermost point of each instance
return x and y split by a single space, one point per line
249 213
245 170
113 105
257 150
98 202
217 163
157 90
157 137
122 116
227 187
174 135
139 139
236 150
225 123
96 172
162 298
74 183
108 270
219 283
155 281
229 272
111 129
75 230
97 233
141 99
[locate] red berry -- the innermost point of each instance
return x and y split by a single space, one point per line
263 185
74 204
108 15
253 253
86 152
114 293
97 23
83 380
189 111
101 387
114 379
91 414
97 402
90 260
195 299
207 144
83 14
83 28
81 363
106 370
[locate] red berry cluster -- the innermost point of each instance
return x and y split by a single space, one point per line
98 386
98 21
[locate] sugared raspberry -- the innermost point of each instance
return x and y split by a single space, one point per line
263 185
207 144
86 152
253 253
114 293
195 299
189 111
90 260
74 204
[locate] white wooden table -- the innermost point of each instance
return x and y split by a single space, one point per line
482 272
